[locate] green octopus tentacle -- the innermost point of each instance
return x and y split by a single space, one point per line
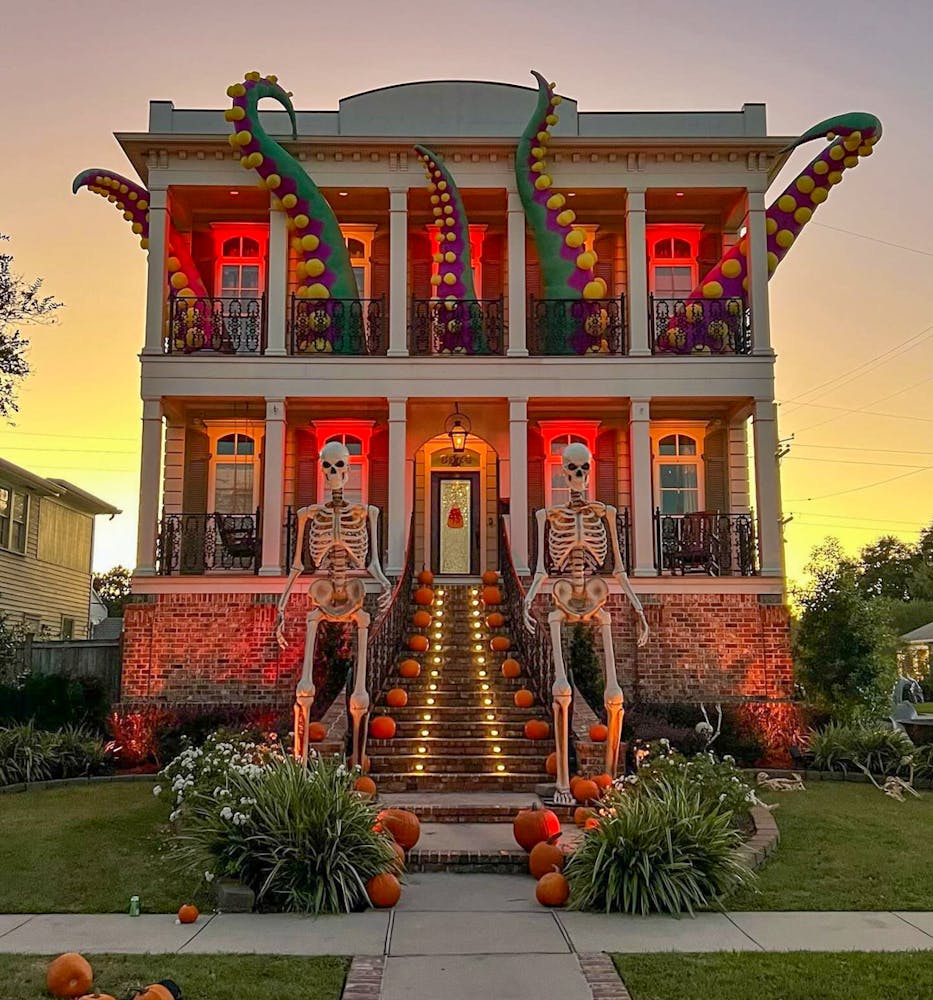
566 270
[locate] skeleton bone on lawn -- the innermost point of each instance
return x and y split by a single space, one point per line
340 537
576 539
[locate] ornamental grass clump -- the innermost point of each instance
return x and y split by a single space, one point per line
659 848
300 837
30 754
866 747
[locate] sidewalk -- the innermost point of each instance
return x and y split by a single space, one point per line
456 936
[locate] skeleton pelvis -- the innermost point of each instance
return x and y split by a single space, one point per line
580 605
337 607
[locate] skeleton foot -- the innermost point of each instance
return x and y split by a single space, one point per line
563 797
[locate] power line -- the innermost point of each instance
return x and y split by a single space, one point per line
874 402
66 450
875 239
873 413
842 447
867 486
849 461
847 517
83 437
850 527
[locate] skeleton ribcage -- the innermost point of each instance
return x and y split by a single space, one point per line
339 537
579 531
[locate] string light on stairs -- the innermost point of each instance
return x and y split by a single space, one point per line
419 767
430 701
497 749
482 673
493 732
484 687
435 673
422 749
487 701
490 718
500 767
426 716
425 732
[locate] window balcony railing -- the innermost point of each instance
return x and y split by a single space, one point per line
699 326
440 327
355 327
623 532
220 324
192 544
705 542
577 326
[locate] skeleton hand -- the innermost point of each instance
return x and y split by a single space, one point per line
643 630
280 630
530 624
385 597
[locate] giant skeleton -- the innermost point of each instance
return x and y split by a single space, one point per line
576 538
341 537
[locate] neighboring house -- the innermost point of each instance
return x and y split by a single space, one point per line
917 646
46 544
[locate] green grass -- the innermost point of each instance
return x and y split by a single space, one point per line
784 976
201 977
845 846
86 849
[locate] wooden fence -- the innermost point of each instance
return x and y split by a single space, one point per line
96 658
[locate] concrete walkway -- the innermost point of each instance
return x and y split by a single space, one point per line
459 936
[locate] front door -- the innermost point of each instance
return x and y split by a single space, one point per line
455 523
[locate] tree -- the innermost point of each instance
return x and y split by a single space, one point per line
886 568
844 648
113 588
20 303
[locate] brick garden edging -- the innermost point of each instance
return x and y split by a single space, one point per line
364 980
41 786
602 977
763 842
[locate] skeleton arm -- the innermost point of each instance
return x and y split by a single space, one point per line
375 566
622 577
540 572
304 515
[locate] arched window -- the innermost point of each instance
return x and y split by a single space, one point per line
672 259
678 483
357 489
557 435
240 260
235 474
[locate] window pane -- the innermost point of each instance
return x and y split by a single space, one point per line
227 445
688 445
679 501
353 491
678 477
4 501
232 247
230 279
355 248
250 248
249 277
668 445
360 274
557 478
68 628
353 444
681 248
560 497
245 444
233 488
662 249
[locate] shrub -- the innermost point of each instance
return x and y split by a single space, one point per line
31 754
861 746
657 849
300 837
52 701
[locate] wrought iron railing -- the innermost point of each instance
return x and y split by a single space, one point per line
198 543
705 542
291 530
456 326
221 324
534 649
385 637
338 326
700 326
577 326
623 532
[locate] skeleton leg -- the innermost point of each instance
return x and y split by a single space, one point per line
562 695
304 691
613 698
359 698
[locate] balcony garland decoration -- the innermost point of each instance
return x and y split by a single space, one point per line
324 269
460 317
700 329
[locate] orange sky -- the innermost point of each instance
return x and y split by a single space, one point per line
79 72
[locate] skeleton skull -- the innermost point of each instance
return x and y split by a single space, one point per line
576 461
335 462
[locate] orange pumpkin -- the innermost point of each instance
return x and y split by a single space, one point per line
317 731
383 890
550 765
424 596
399 852
586 790
403 825
500 643
421 619
492 595
69 975
581 814
187 914
603 781
365 785
490 577
495 620
524 698
599 733
97 996
425 578
409 669
534 825
545 857
574 780
537 729
165 989
592 823
418 643
552 889
396 698
382 727
511 668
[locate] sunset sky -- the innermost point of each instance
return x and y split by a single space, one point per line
851 307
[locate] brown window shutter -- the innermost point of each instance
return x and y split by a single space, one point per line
492 267
379 282
305 467
419 256
715 470
379 486
536 470
197 466
533 289
604 247
607 473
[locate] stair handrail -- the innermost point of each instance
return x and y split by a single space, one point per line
385 636
534 649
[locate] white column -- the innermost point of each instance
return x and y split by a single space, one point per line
642 510
395 518
518 346
398 273
150 474
768 488
518 482
757 241
273 488
156 285
637 260
277 305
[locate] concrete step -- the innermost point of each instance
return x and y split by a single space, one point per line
458 745
460 782
487 764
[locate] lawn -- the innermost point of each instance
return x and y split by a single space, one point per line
86 849
213 977
784 976
845 846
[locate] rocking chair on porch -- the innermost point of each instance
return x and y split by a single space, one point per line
237 533
697 546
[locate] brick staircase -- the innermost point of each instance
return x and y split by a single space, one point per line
460 731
